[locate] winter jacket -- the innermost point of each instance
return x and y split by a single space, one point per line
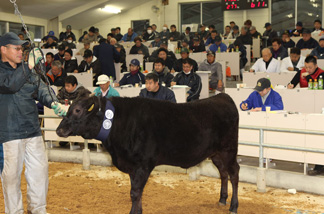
178 65
193 81
216 72
245 39
70 66
18 110
281 52
56 80
175 35
162 94
271 34
156 44
118 37
170 54
200 48
50 46
64 35
215 47
79 92
165 35
165 76
289 44
95 65
148 37
127 38
143 48
273 100
318 52
132 79
310 44
111 93
256 35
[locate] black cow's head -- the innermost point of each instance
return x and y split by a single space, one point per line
82 119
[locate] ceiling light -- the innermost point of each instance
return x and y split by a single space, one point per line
310 14
315 5
110 9
290 15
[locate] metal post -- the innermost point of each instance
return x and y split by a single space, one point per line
86 156
261 178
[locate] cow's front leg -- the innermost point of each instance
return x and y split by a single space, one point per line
138 180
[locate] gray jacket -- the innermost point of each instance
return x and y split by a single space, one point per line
18 110
216 72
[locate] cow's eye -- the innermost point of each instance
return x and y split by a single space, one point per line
77 110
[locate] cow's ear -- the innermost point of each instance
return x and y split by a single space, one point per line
91 107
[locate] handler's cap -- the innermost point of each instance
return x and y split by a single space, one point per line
102 79
135 62
11 39
262 84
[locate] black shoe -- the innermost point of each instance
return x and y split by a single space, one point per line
63 143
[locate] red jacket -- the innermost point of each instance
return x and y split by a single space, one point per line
303 82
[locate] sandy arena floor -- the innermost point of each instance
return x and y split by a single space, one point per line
106 190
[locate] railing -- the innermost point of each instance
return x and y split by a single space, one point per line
261 180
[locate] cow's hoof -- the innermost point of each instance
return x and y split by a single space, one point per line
221 204
230 212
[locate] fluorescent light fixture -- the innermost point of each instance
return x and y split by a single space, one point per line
111 9
290 15
310 14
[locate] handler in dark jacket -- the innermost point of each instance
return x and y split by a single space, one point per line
189 78
107 55
135 75
154 90
21 141
163 72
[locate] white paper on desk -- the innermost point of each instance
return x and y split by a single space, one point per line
280 87
126 86
180 86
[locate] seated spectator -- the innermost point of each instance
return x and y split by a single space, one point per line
64 35
139 48
22 37
262 97
189 78
310 72
184 58
60 55
154 90
170 54
254 33
72 90
149 35
248 24
157 41
187 35
295 62
81 37
86 46
163 72
317 30
164 34
118 35
98 34
227 31
70 64
50 44
232 24
69 42
216 77
49 60
174 34
269 33
185 44
122 59
90 64
218 46
154 29
129 36
90 36
245 37
278 51
267 63
56 76
235 33
104 89
298 31
109 37
211 28
286 41
203 33
197 45
44 39
242 50
307 42
211 38
135 75
163 54
318 52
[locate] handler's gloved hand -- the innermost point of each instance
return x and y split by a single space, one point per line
34 57
58 109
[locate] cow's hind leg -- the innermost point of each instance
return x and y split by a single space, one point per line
138 180
233 172
218 161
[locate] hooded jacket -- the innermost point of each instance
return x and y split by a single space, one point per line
165 76
77 93
95 65
216 72
18 111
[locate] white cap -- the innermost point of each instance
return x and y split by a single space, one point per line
102 79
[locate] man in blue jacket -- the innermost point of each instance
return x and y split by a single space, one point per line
20 135
154 90
262 97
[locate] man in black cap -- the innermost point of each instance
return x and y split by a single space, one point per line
269 34
60 54
298 30
90 63
307 42
185 56
262 97
197 45
64 35
21 140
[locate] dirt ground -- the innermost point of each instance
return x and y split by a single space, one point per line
106 190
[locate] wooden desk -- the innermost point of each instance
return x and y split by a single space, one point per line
204 76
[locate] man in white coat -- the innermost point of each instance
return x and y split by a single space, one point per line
293 63
267 63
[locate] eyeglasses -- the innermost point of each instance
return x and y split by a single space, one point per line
16 48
